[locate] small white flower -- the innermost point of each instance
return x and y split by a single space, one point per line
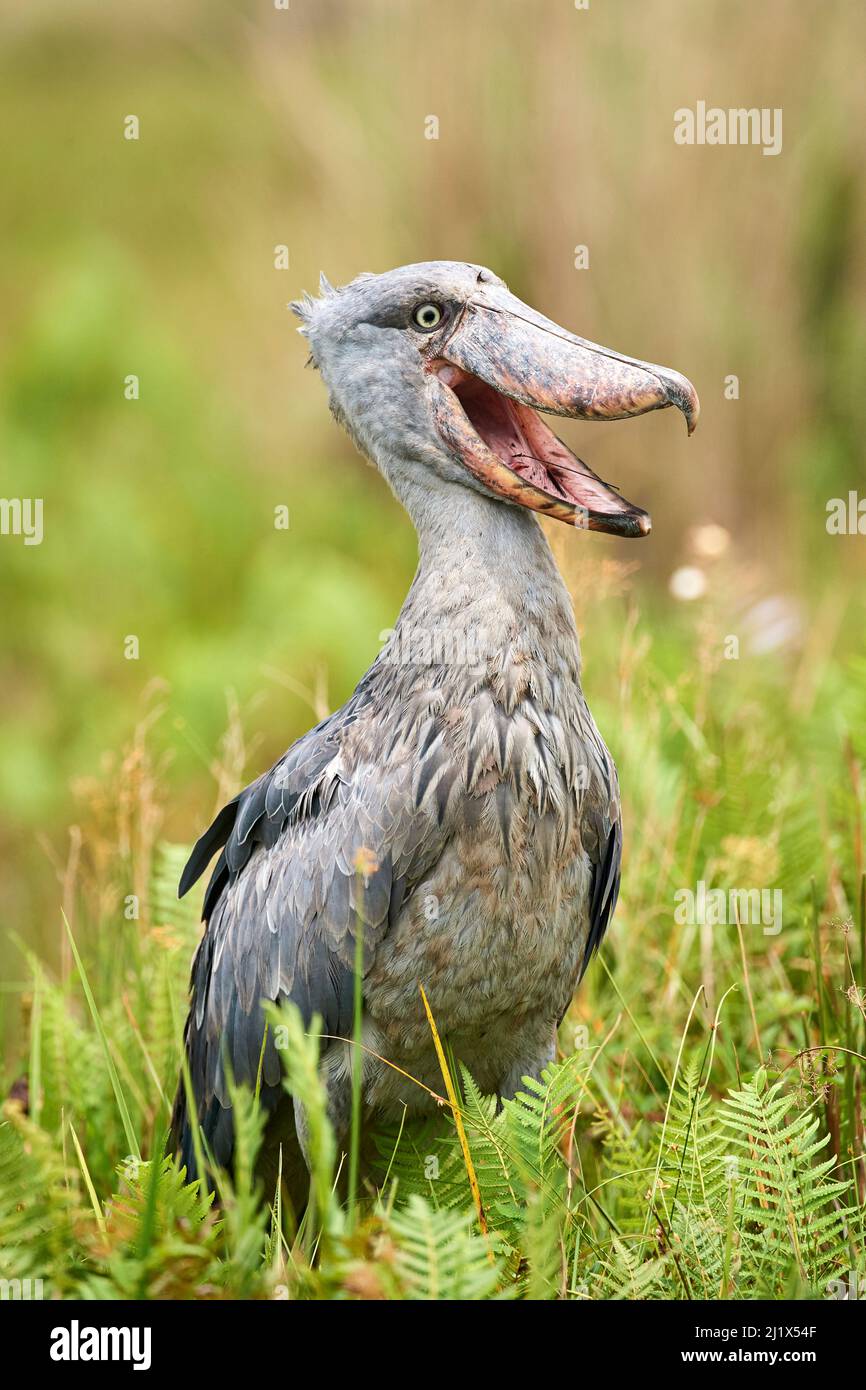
710 541
688 583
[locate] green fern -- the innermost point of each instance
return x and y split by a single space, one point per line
789 1213
40 1207
437 1255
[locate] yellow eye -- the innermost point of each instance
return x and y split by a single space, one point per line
427 316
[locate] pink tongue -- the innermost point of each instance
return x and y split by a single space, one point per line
523 441
500 423
530 469
564 470
584 490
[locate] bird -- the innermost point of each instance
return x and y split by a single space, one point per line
460 812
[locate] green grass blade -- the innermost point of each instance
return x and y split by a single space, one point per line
122 1107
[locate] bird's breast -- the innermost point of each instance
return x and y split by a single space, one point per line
496 930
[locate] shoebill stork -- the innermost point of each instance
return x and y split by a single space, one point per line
461 804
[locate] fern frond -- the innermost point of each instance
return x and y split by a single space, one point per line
438 1256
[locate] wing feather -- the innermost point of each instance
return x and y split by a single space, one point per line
283 903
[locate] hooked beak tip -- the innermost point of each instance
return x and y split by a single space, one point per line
683 395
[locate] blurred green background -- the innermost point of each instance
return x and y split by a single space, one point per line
306 127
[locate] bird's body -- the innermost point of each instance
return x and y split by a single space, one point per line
504 777
461 807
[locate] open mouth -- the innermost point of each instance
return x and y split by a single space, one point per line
498 363
509 448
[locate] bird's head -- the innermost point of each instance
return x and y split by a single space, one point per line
437 370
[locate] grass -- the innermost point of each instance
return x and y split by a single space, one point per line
700 1136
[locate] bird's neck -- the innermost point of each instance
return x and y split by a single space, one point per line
488 582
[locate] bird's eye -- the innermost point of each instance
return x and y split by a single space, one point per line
427 316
